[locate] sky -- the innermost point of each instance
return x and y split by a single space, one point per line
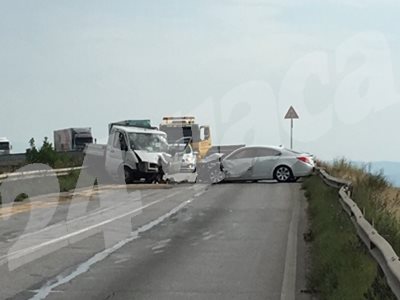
237 65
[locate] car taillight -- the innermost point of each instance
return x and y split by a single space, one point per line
304 159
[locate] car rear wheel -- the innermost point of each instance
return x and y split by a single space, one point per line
283 174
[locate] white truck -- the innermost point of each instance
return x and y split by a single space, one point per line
5 146
72 139
139 153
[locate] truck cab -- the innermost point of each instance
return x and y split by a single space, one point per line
72 139
5 146
81 139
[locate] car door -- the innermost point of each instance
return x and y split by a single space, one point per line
265 162
240 164
116 152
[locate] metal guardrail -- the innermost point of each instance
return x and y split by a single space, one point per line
379 248
37 174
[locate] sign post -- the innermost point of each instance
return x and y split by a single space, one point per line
291 114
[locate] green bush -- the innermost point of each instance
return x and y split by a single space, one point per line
47 155
372 193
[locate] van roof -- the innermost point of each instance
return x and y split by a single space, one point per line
4 139
138 130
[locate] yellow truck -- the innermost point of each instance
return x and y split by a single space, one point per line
186 129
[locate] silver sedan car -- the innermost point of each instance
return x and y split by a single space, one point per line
258 163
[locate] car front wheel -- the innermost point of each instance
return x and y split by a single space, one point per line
216 175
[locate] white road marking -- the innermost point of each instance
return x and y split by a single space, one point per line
93 213
26 251
45 290
18 254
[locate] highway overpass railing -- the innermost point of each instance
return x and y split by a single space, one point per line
37 174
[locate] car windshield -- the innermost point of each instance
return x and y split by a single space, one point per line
148 141
180 148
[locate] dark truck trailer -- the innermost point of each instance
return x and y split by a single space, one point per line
72 139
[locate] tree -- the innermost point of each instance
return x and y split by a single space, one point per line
32 152
49 156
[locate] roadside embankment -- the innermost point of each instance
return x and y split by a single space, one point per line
341 266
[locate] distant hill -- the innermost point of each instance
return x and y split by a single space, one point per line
390 169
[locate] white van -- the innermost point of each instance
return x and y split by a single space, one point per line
139 154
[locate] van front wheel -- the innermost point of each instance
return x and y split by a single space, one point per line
128 175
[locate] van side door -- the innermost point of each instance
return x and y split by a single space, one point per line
116 152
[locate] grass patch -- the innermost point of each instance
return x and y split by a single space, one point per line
68 182
341 266
376 197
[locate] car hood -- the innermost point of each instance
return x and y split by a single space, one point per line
153 157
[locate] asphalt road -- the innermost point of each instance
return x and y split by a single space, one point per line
228 241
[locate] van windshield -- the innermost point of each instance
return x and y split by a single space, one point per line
148 142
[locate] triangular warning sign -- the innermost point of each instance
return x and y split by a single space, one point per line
291 114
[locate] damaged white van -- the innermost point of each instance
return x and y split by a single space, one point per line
140 154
